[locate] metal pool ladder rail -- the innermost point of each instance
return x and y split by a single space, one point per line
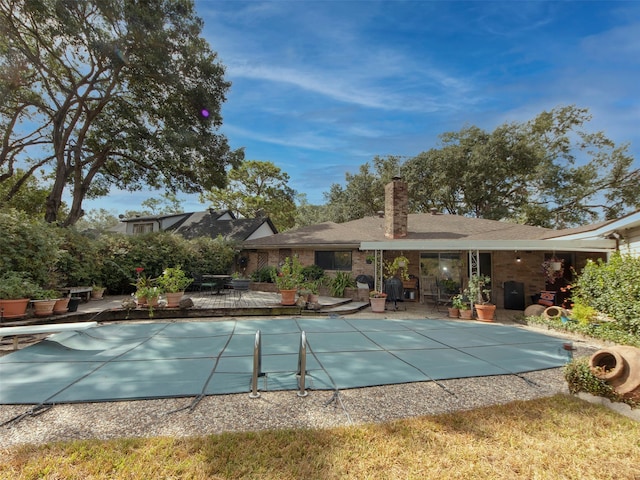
302 364
257 366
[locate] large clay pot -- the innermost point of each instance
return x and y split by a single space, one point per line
61 306
97 293
43 308
485 313
288 297
13 308
377 304
173 298
619 366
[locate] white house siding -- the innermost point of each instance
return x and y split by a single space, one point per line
631 242
263 230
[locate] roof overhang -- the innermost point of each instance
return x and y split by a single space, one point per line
626 223
594 245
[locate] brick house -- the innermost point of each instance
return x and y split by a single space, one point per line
441 249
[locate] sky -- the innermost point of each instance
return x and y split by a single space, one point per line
321 87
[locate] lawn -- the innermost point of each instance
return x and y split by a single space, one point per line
560 437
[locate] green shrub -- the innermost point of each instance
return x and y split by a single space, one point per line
29 245
312 272
80 262
580 379
122 254
609 331
583 314
340 282
612 288
264 274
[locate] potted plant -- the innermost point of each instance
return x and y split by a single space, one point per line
314 290
97 291
462 302
400 265
457 303
340 283
43 302
145 287
480 295
288 279
62 305
553 269
377 300
16 290
240 282
173 282
148 296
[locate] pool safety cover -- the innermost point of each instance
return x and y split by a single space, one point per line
182 359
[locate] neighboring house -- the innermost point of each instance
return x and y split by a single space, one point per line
440 248
209 223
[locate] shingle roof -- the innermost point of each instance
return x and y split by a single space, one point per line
202 224
420 227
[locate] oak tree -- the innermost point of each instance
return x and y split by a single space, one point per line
103 93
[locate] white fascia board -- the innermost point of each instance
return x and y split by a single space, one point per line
631 221
599 245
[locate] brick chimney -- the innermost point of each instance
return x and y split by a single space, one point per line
396 204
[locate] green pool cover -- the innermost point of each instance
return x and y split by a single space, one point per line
181 359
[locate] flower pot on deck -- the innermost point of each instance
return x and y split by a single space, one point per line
486 312
288 297
43 308
173 299
13 308
378 304
61 306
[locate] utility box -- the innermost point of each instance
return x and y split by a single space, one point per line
513 295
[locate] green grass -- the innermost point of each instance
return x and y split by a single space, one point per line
560 437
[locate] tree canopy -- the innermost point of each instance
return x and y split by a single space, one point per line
255 188
97 93
363 194
550 171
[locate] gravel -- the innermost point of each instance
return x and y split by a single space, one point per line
182 417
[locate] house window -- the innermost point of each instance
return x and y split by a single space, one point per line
142 228
442 270
333 260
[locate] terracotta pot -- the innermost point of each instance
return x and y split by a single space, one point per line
173 298
43 308
14 308
61 306
288 297
485 312
144 302
377 304
466 314
96 294
619 366
454 312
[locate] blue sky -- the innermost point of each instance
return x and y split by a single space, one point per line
321 87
